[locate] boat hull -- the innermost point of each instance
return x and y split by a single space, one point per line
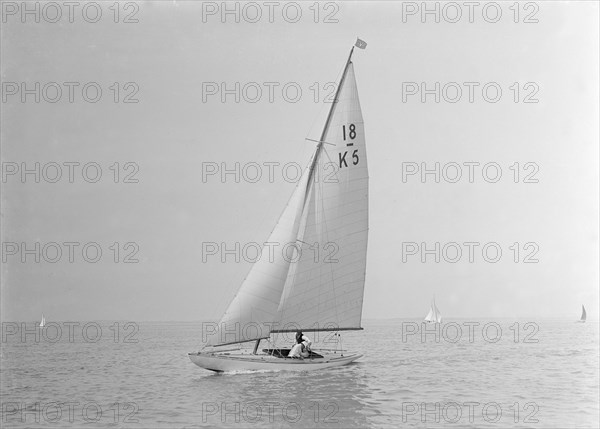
228 363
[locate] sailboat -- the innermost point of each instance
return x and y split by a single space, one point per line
284 293
434 315
583 315
43 321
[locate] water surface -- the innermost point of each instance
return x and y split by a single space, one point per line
541 373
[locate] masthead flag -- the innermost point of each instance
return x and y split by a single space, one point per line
361 44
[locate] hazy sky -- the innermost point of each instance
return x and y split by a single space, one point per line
174 51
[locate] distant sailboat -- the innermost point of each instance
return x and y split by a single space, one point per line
43 321
434 315
308 295
583 315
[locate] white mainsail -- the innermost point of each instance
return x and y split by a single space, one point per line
325 290
322 286
583 314
43 321
434 315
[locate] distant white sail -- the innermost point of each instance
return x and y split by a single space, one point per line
434 315
583 314
43 321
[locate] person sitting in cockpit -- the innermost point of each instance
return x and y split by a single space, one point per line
302 347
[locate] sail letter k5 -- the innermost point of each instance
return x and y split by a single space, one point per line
343 159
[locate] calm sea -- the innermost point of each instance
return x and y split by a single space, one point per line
475 373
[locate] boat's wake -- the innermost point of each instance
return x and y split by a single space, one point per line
249 371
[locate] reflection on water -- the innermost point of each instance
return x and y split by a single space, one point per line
542 375
333 398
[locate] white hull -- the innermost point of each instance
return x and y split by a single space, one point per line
263 362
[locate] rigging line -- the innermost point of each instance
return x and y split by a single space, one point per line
320 141
292 271
329 104
325 106
314 212
337 317
328 157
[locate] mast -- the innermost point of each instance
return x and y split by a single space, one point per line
259 297
335 99
319 296
328 120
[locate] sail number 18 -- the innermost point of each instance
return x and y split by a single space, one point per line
351 133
